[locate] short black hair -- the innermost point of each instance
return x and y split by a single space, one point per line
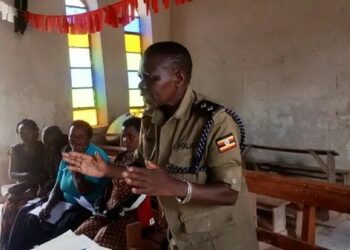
180 57
52 130
28 123
133 122
84 125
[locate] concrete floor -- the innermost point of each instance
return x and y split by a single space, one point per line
334 234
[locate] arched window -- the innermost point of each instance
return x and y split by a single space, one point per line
83 86
133 47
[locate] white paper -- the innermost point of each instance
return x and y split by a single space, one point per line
7 12
5 189
86 204
35 200
11 14
136 204
69 240
56 212
4 10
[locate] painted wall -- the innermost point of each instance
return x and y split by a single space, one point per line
283 65
33 79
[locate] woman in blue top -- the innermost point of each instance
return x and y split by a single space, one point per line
69 185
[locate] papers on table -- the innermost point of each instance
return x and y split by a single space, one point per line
56 212
69 240
86 204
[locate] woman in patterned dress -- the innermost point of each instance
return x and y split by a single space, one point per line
110 231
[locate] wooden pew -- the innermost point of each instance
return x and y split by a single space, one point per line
325 170
310 194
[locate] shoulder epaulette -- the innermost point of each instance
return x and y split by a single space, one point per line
207 107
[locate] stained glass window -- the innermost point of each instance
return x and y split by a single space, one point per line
133 58
83 93
133 61
78 41
134 80
81 78
88 115
132 43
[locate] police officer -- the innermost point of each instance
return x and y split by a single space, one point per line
191 157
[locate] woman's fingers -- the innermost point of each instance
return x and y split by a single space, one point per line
136 190
136 170
74 158
151 165
137 183
74 168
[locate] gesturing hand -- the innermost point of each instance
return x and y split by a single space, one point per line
151 181
86 164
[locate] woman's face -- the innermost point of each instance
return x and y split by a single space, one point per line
27 134
50 141
130 138
78 139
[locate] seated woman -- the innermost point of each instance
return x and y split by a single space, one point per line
68 186
26 168
54 140
110 231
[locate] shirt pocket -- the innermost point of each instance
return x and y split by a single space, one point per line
207 221
181 158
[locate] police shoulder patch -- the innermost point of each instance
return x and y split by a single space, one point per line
226 143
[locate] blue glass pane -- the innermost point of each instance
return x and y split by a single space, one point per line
134 80
134 26
73 11
81 78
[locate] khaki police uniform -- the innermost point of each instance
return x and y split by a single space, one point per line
193 225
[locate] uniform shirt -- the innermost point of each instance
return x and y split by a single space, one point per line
65 179
193 225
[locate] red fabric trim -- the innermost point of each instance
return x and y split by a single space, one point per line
120 13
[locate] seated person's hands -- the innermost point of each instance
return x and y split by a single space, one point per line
44 213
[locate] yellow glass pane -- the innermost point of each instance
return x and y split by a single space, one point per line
88 115
83 98
132 43
138 112
133 61
78 41
135 98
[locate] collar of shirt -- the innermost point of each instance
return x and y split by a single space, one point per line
183 111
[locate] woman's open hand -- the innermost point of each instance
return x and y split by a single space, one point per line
86 164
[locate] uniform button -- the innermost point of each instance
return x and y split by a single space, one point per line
234 181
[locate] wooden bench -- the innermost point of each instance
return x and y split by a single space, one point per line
310 194
277 209
325 170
